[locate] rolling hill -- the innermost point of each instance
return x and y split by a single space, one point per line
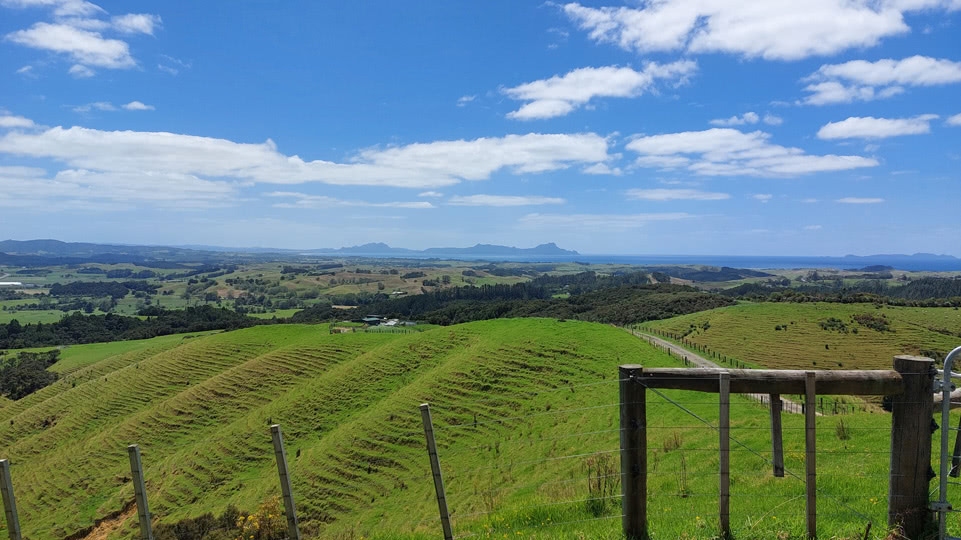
523 408
791 335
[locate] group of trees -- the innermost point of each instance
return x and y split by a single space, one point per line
925 292
112 289
26 372
78 328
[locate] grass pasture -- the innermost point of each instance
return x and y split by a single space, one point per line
749 332
522 408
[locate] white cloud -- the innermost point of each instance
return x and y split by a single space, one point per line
812 227
10 121
773 120
433 194
746 118
602 168
61 8
172 65
83 189
136 23
869 127
809 200
137 106
954 120
83 46
675 194
464 100
604 222
81 72
560 95
419 165
729 152
859 200
860 80
763 197
98 105
25 70
303 200
502 200
772 29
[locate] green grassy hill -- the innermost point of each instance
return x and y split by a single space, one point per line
790 336
522 409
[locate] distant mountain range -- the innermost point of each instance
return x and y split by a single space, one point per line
52 252
128 253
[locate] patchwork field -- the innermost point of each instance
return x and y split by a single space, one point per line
791 336
523 410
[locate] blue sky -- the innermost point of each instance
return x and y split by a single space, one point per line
685 127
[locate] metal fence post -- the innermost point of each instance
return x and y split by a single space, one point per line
810 453
140 492
9 502
293 531
633 426
435 471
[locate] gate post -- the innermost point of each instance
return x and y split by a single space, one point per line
633 452
911 445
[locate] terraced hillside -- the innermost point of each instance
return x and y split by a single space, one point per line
804 336
523 410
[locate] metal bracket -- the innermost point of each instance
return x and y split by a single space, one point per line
937 506
938 386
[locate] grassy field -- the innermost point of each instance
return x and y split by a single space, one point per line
790 336
521 409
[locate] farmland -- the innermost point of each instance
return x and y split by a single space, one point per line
516 428
818 335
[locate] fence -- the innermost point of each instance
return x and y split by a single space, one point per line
909 385
144 516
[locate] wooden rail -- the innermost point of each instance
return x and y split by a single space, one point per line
876 382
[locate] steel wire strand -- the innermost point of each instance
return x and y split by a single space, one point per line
739 443
538 505
522 417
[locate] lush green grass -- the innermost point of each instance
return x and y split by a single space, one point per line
519 406
31 316
747 332
280 314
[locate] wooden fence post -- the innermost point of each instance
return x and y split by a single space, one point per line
435 471
9 501
911 445
633 452
777 443
140 492
290 509
810 450
724 433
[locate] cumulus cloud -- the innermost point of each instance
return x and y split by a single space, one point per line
10 121
675 194
773 29
502 200
602 168
772 120
136 23
869 127
763 197
303 200
559 95
433 194
419 165
746 118
602 222
464 100
77 33
860 80
729 152
954 120
137 106
860 200
95 106
82 46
